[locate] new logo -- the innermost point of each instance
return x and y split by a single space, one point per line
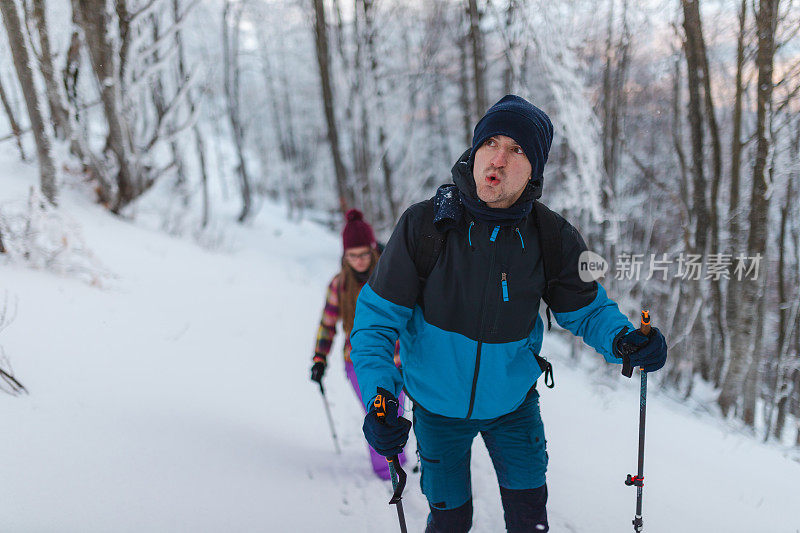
591 266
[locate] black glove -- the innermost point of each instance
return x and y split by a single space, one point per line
388 434
648 352
317 371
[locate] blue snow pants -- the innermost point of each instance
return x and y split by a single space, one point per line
517 447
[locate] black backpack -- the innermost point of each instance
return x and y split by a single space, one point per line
431 241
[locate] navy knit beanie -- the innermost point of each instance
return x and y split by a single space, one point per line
519 119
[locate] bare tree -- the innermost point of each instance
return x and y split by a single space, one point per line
378 83
231 27
478 59
510 75
94 20
361 133
72 64
58 112
200 148
694 64
292 151
158 94
614 100
680 155
716 328
63 118
326 85
12 120
694 48
121 71
19 50
779 384
732 307
742 377
464 93
8 382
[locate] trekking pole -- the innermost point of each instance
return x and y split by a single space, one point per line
330 418
396 471
638 480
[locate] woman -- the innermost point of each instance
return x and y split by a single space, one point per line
358 261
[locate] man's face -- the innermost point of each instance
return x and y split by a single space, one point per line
501 171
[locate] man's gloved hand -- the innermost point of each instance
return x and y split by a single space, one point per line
317 371
387 434
648 352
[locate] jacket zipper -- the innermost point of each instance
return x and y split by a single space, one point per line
483 320
504 295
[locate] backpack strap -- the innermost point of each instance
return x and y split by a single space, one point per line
430 242
550 240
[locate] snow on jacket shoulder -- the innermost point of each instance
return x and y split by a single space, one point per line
469 335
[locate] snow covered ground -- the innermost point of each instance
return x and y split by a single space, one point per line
176 398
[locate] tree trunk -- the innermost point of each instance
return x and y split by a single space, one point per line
19 51
783 388
72 66
230 44
286 148
732 307
383 146
509 74
741 375
478 59
361 137
353 99
12 121
324 64
93 18
198 134
463 84
694 64
58 112
677 142
607 99
784 307
716 327
158 93
711 119
693 46
124 27
64 119
614 101
794 374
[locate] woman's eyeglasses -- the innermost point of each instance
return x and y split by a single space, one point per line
355 257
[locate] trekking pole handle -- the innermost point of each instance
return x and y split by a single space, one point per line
397 473
645 325
379 403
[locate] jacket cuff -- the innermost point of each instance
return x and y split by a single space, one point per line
615 343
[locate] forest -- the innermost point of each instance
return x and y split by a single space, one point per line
676 150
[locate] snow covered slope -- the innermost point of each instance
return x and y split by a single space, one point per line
177 398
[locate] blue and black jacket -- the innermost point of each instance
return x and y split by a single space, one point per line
468 334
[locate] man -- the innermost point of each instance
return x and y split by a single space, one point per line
469 329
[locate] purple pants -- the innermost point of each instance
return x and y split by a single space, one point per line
379 463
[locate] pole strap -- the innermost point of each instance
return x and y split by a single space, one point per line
634 481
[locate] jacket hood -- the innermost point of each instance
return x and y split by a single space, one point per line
462 176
